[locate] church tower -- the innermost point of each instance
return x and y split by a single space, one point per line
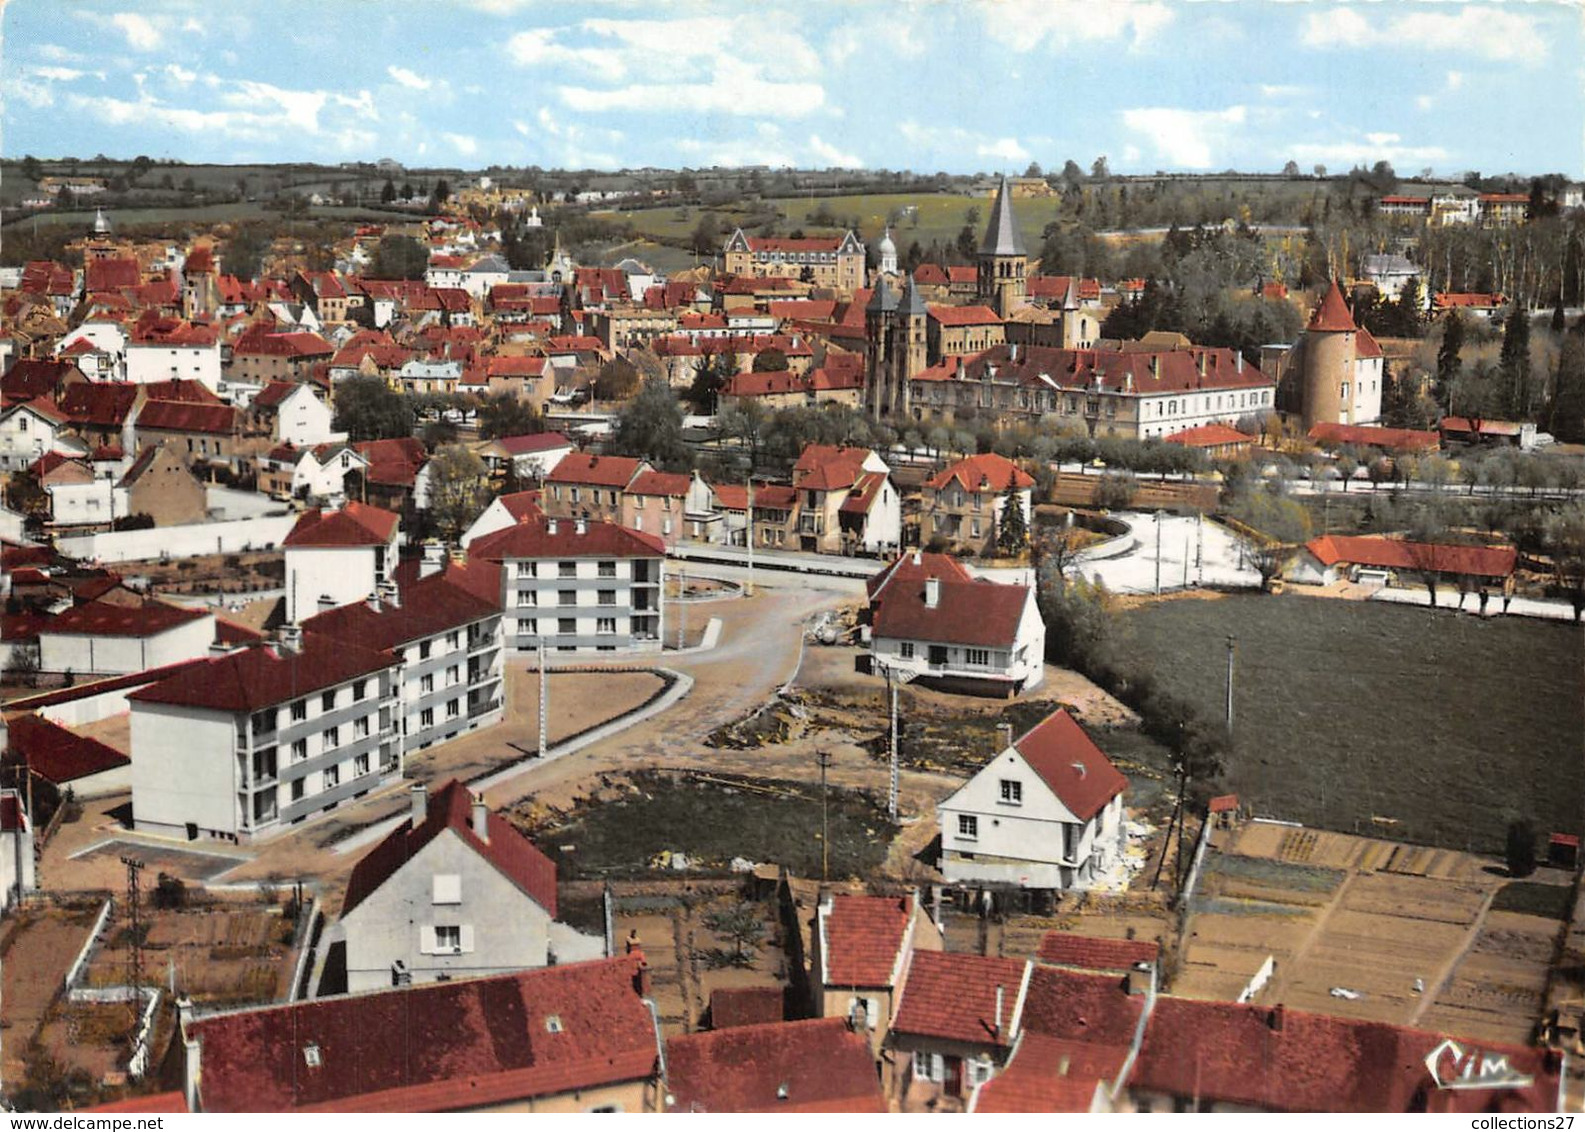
888 253
1002 259
878 317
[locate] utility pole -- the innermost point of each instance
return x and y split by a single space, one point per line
1185 561
1231 651
1199 545
825 761
891 793
1158 553
135 956
544 700
682 609
748 533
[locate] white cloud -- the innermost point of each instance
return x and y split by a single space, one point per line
1369 150
733 88
1024 25
194 27
55 53
1005 149
180 74
300 107
1282 90
1425 101
1190 139
1492 32
463 143
538 48
58 74
1455 79
830 155
410 79
140 33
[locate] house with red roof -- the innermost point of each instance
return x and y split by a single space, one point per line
1046 813
673 505
504 511
243 745
263 354
334 557
859 950
33 429
161 485
930 621
293 412
961 330
775 508
65 759
528 457
576 585
836 262
105 638
201 433
575 1038
590 486
818 1065
453 892
958 1017
1217 441
961 505
397 475
847 503
162 347
1329 557
1331 436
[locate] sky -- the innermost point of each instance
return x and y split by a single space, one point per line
928 85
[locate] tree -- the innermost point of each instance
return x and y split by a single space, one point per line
710 376
1072 175
22 667
368 409
399 257
1059 548
1280 526
388 193
1319 170
617 380
740 923
1566 417
441 194
1012 531
1514 362
459 489
1291 169
706 237
1115 491
503 414
1448 363
650 427
770 361
31 169
1034 170
1520 848
1565 543
1099 170
1408 312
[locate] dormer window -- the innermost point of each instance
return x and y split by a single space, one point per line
311 1056
553 1024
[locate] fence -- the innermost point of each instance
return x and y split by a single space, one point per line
180 542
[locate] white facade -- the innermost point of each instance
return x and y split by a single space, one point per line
326 480
26 434
1020 662
18 874
1164 414
322 577
584 605
883 524
303 419
98 502
105 655
1006 825
493 518
451 683
1366 390
162 361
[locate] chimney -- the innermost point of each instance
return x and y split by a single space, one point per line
1238 361
1277 1017
1155 367
1139 979
1128 382
961 373
434 560
640 973
291 638
481 818
1001 1003
374 601
418 796
932 592
550 526
1012 351
1004 737
326 602
1202 364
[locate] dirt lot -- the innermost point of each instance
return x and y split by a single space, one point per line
37 947
1406 930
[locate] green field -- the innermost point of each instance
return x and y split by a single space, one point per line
1351 711
204 215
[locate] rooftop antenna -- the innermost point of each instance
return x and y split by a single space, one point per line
135 957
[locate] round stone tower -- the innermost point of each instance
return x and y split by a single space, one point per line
1327 377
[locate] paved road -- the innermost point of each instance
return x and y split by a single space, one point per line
227 503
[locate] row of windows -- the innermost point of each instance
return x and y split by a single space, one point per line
266 721
527 569
980 657
566 626
563 597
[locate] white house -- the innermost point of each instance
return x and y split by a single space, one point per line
929 618
1044 813
581 585
337 557
33 429
242 745
453 892
504 511
105 638
67 760
299 416
165 353
483 274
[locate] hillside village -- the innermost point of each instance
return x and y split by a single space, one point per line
436 683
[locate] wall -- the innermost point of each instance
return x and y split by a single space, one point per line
183 769
344 574
180 542
89 653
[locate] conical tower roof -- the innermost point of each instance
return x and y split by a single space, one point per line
884 298
886 244
1333 313
912 302
101 224
1001 234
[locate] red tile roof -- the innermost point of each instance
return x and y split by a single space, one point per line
522 504
435 1047
34 377
97 404
1081 1007
184 416
1092 953
355 524
987 472
584 468
1283 1060
1144 372
1479 426
1209 436
57 753
827 467
46 277
815 1066
866 490
963 316
533 538
517 366
979 613
106 619
788 244
915 567
930 275
953 996
263 677
672 484
745 1006
111 274
181 389
862 939
1332 314
1068 761
153 1102
429 606
1399 554
451 808
1050 1075
1373 436
1447 300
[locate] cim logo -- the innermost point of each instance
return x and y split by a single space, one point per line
1454 1067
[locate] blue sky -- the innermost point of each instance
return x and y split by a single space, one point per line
955 85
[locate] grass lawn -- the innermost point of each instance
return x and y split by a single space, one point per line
1349 711
712 823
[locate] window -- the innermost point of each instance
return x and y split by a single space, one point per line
453 709
979 1071
968 826
608 569
331 739
574 494
332 776
638 503
605 625
327 702
360 690
448 937
423 650
566 569
299 750
607 597
453 638
426 683
567 597
453 674
527 598
906 650
426 718
299 710
299 786
360 766
528 625
981 657
567 625
928 1066
526 570
974 529
448 888
1012 792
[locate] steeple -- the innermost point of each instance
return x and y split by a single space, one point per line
101 224
887 251
1001 234
1333 313
913 303
884 299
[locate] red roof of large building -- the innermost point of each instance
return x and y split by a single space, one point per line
1141 372
1399 554
601 471
429 606
1374 436
107 619
262 677
1209 436
58 754
1333 315
451 808
1092 953
979 613
953 996
355 524
435 1047
862 939
97 404
672 484
538 537
963 316
1068 761
111 274
819 1065
987 472
185 416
